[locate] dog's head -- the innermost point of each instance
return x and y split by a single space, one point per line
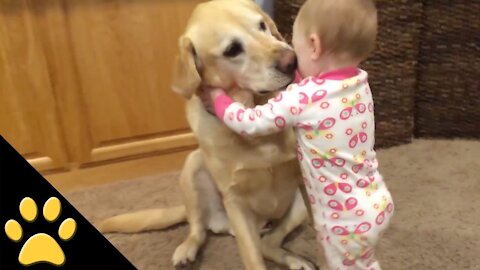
232 44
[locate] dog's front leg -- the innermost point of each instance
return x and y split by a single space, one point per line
246 233
191 179
271 243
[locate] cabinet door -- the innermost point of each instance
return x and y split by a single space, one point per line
121 53
28 116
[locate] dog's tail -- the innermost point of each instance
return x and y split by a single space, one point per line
145 220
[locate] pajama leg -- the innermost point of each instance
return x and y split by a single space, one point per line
354 255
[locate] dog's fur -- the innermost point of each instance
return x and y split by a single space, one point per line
231 184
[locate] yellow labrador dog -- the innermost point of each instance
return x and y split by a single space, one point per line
232 184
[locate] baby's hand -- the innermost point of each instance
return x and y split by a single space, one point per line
208 97
215 92
243 96
298 77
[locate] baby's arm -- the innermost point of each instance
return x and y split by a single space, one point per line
279 113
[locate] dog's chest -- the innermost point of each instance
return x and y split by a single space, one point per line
258 151
268 190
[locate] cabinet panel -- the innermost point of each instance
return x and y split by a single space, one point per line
124 52
111 67
28 116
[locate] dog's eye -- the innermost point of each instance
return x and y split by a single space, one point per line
233 50
263 26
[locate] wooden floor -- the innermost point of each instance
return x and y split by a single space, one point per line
118 171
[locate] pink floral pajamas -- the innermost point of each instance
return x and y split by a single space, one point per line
333 118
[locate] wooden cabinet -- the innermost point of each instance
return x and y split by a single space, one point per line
87 82
29 118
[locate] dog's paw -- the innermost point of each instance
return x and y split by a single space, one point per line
183 266
218 224
299 264
272 240
184 255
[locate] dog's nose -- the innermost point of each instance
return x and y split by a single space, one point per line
287 63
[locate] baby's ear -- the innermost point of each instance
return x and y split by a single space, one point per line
315 46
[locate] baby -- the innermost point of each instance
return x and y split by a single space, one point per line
331 110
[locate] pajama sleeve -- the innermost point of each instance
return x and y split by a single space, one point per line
279 113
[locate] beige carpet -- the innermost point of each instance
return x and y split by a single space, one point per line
436 188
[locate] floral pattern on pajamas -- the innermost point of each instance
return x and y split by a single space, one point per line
333 119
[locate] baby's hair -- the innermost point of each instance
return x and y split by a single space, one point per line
346 27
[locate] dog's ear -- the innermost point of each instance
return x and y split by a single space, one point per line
186 78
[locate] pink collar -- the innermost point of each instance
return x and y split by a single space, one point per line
340 74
